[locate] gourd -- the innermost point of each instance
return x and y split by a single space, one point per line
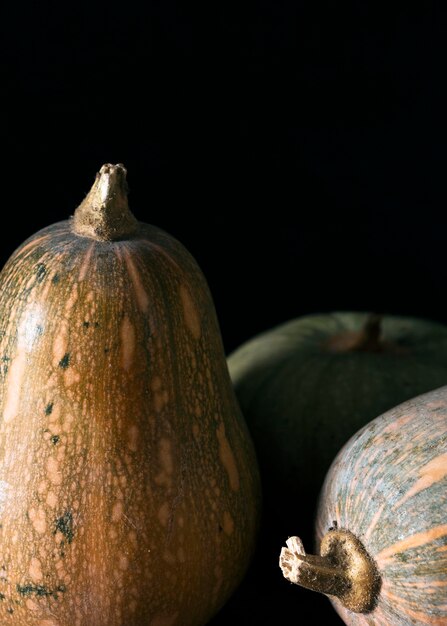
129 489
308 385
382 521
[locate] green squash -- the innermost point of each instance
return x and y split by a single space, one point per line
308 385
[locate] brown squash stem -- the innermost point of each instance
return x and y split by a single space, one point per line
367 339
371 334
104 214
344 569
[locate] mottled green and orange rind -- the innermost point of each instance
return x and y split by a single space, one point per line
388 486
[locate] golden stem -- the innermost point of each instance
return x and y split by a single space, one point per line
104 213
344 569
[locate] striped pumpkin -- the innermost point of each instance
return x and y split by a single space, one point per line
306 386
387 491
128 484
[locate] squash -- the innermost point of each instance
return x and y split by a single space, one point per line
129 489
308 385
382 521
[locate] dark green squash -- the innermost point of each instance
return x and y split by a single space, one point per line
129 490
306 386
382 521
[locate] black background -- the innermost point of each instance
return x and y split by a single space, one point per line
295 148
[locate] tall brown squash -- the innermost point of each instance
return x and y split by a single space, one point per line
129 490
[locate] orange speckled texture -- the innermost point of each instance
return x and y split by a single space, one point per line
129 491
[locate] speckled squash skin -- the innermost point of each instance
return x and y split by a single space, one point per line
388 486
129 491
303 399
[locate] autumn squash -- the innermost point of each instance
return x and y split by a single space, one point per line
308 385
382 521
129 489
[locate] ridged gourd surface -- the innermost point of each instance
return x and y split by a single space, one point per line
388 486
303 399
128 485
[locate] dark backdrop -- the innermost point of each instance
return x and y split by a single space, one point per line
296 148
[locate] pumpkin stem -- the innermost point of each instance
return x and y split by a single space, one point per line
371 334
343 569
104 213
367 339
